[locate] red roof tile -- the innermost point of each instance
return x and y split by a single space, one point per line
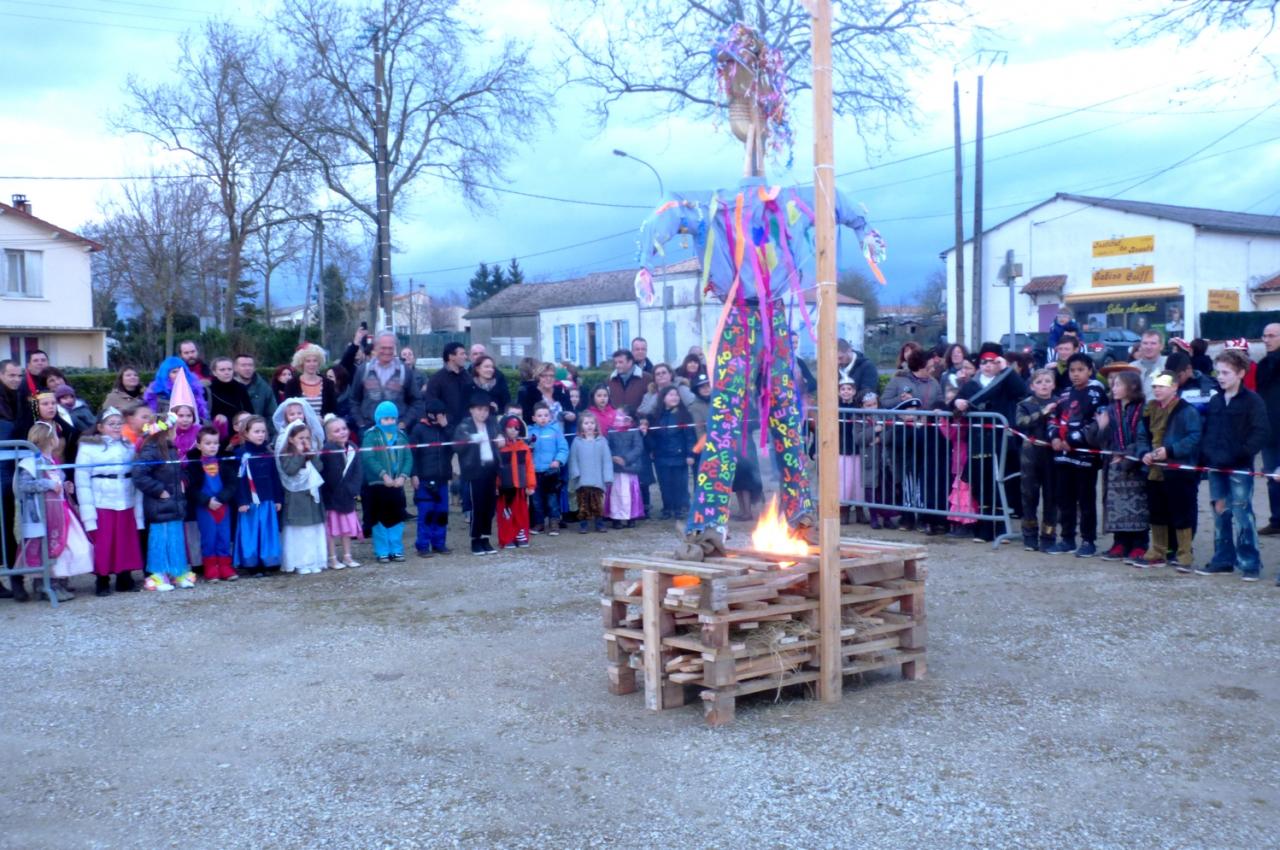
1045 284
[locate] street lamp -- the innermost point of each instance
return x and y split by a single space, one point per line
662 193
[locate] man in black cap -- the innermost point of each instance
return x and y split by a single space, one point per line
478 465
997 388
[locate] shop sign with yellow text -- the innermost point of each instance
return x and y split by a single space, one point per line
1124 245
1124 277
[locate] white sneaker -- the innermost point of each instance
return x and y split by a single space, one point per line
350 562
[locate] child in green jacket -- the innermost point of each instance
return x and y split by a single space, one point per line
386 469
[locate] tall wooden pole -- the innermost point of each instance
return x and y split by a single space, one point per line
977 223
957 303
831 678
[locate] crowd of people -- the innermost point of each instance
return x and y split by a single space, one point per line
1151 429
210 470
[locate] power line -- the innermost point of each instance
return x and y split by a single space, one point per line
99 11
90 23
629 232
1177 164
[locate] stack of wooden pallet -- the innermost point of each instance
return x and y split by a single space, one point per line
747 622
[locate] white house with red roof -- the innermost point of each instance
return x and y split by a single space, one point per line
46 291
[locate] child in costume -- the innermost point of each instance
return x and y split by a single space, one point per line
211 487
850 459
550 454
164 506
623 502
182 407
1124 484
343 474
601 409
590 471
516 483
1077 472
136 417
159 395
258 498
477 460
293 410
387 466
1169 432
110 506
671 442
1033 418
81 415
43 492
303 550
432 472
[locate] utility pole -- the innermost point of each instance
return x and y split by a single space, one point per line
958 306
382 294
831 677
977 222
413 314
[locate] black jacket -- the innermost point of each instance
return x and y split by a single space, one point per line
470 465
865 375
152 479
1269 385
194 471
454 389
434 463
528 395
1234 431
340 488
228 398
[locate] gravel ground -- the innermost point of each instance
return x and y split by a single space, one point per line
461 702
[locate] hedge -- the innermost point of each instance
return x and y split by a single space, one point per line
92 385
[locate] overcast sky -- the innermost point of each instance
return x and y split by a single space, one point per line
1151 106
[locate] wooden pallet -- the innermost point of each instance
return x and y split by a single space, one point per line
687 625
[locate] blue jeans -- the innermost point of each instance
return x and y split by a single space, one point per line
432 499
1270 460
545 504
1241 548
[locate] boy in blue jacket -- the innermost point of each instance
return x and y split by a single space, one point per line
550 453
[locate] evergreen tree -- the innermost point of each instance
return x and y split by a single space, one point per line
247 306
515 274
478 286
335 298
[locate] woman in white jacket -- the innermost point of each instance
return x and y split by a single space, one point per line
110 506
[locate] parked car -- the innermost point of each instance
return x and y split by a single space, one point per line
1109 345
1035 344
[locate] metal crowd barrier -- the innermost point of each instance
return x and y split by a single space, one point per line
11 548
929 467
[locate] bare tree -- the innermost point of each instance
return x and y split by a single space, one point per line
660 49
211 114
933 296
1189 19
450 113
445 309
159 244
275 244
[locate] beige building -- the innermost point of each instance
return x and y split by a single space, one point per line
46 292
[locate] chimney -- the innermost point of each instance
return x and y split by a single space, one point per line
21 204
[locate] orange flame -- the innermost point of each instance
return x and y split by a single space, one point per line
773 535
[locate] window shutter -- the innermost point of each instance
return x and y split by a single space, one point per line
573 343
584 353
555 341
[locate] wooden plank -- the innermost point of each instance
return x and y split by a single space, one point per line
891 659
651 582
870 646
757 685
672 567
734 616
872 573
